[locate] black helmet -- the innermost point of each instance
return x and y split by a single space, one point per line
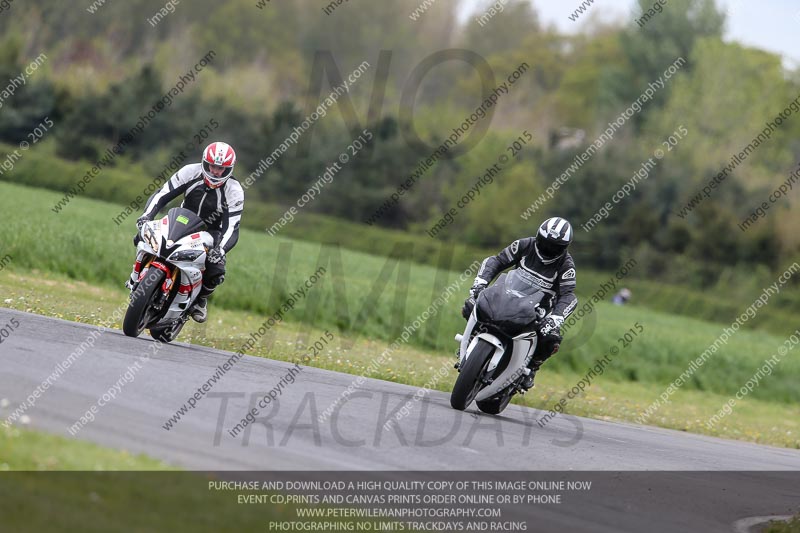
553 238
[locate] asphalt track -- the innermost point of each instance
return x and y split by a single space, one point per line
432 437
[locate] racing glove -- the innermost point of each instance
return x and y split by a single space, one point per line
551 327
141 221
477 288
216 256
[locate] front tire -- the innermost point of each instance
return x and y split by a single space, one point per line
470 380
140 313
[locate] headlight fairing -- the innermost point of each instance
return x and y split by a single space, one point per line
186 255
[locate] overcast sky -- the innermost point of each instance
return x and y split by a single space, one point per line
772 25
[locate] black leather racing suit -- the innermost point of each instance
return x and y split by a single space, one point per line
556 279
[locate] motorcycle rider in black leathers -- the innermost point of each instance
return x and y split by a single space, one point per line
211 191
546 258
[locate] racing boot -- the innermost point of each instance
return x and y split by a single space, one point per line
132 280
527 381
199 310
535 364
137 269
544 351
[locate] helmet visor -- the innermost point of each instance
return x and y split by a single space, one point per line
212 177
549 249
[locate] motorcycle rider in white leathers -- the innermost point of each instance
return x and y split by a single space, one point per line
211 191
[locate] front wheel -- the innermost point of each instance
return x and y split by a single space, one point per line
470 380
140 310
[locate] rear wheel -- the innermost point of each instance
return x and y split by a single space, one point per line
167 334
140 310
496 405
471 379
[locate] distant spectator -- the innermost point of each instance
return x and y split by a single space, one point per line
622 297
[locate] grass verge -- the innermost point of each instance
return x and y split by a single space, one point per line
58 484
23 449
376 297
792 526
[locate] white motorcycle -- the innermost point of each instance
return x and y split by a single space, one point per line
171 276
498 343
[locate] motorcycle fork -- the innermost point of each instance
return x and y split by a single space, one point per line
169 282
144 266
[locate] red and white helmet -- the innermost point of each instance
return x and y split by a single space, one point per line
219 154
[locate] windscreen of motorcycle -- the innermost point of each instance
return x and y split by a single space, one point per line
510 303
182 222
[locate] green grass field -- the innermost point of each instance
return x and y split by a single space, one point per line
23 449
84 245
793 526
58 484
41 167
